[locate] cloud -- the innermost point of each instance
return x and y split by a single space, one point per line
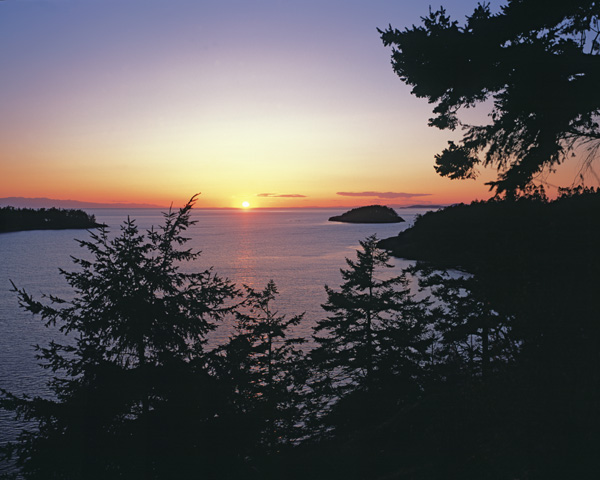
284 195
382 194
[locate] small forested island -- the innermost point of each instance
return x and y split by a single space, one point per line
17 219
369 214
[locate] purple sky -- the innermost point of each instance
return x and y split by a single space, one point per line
154 100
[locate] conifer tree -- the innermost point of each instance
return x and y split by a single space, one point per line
376 335
129 382
263 364
534 63
471 337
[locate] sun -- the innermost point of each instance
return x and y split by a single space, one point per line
245 204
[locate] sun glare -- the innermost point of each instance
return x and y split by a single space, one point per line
245 204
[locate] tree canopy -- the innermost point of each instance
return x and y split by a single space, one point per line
375 335
260 365
536 63
129 380
15 219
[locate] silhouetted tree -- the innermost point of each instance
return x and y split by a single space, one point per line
536 63
471 338
376 335
132 398
262 365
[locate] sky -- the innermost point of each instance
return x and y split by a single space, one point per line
271 102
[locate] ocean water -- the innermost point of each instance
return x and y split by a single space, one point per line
298 249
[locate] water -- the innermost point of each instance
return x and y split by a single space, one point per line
298 249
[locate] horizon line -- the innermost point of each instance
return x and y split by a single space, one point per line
45 202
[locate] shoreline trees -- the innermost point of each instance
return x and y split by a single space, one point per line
18 219
374 324
261 365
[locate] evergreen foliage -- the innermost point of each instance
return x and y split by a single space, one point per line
262 365
536 64
498 234
471 338
131 390
375 338
16 219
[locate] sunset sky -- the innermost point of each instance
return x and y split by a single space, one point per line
277 103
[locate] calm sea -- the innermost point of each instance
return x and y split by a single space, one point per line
298 249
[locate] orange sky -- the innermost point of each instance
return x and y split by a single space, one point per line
274 103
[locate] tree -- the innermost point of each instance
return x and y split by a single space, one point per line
129 381
376 334
536 63
471 338
261 363
369 364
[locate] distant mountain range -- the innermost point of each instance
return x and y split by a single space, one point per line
42 202
432 206
22 202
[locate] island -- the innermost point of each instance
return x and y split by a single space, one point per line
17 219
369 214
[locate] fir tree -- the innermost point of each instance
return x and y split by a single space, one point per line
471 337
130 387
376 335
262 363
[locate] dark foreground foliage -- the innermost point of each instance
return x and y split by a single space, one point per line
490 375
535 265
16 219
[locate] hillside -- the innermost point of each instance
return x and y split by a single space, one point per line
523 232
